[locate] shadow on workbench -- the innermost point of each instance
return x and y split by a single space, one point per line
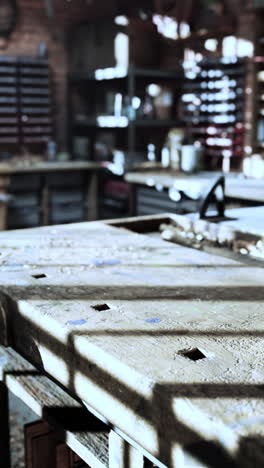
209 452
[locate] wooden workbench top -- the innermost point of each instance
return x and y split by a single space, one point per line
112 315
194 184
247 220
21 167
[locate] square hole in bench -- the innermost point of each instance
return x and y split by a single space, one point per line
194 354
39 276
101 307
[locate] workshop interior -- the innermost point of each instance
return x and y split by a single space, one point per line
131 233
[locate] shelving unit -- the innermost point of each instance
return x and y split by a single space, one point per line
36 106
9 103
25 104
131 133
213 108
124 122
259 104
128 82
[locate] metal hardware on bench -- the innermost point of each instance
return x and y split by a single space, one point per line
212 198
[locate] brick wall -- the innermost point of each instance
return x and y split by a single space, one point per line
34 27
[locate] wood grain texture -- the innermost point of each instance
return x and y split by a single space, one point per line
123 455
82 432
129 361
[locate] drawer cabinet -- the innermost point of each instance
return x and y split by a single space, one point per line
48 198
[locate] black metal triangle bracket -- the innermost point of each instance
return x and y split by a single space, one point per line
212 198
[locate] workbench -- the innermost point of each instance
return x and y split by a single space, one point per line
44 171
238 188
162 342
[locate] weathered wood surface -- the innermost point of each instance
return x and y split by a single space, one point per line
195 184
110 314
248 220
16 168
84 434
242 220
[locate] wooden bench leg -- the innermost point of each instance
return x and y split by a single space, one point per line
4 428
92 196
122 454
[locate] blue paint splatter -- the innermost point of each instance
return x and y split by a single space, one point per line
76 322
108 262
153 320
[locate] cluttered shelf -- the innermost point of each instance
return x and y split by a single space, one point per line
17 166
105 121
207 100
117 73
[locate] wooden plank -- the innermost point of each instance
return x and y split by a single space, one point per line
3 216
4 184
246 220
45 400
88 438
92 197
45 204
123 455
4 328
10 362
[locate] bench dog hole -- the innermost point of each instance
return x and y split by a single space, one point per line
41 275
192 353
101 307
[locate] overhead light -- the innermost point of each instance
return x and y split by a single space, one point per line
153 90
211 44
121 20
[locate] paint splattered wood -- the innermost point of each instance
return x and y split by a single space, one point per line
163 341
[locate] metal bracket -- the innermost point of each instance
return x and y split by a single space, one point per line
212 198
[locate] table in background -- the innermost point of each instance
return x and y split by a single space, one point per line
152 190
